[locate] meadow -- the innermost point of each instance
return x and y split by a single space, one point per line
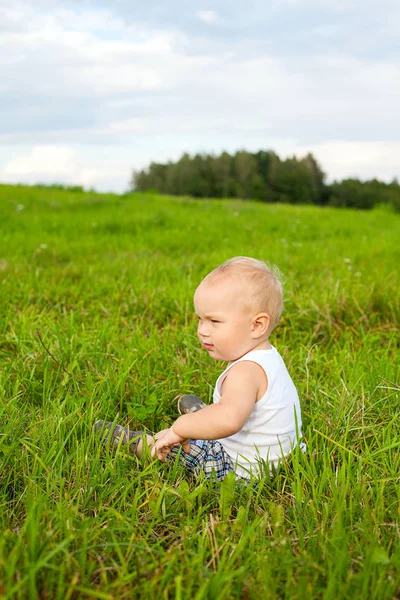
96 322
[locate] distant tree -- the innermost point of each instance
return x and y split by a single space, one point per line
316 179
272 166
264 159
181 176
292 181
203 184
154 177
352 193
263 176
392 195
258 188
222 169
245 169
261 187
139 181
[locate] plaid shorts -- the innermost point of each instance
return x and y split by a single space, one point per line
208 456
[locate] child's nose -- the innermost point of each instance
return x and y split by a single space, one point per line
202 329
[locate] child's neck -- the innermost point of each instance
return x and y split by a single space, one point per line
264 345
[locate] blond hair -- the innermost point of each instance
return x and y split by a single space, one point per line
262 285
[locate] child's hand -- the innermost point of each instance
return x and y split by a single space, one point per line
165 440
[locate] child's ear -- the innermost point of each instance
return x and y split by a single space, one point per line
260 325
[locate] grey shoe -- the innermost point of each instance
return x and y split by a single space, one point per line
116 434
189 404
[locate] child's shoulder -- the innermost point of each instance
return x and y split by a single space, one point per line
249 369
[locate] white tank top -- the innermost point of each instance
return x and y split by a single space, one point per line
274 425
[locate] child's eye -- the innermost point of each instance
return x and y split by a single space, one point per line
214 321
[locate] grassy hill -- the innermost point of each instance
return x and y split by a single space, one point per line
96 322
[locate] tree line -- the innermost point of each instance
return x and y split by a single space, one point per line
262 176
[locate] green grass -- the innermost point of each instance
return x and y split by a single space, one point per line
96 322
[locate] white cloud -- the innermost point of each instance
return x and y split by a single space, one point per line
207 16
41 160
92 54
60 164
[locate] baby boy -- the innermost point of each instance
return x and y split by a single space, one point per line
255 417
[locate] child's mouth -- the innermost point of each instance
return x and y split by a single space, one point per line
207 346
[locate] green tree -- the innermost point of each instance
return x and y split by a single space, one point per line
297 181
222 168
263 176
316 180
352 193
245 168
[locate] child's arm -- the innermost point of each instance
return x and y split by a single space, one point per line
240 391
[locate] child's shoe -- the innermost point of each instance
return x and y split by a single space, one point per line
189 404
116 434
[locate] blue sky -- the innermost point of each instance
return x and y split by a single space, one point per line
90 91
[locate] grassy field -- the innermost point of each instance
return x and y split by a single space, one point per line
96 322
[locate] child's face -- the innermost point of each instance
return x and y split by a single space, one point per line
224 329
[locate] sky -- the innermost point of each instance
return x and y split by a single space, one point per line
90 91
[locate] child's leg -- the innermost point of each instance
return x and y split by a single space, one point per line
117 434
208 456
